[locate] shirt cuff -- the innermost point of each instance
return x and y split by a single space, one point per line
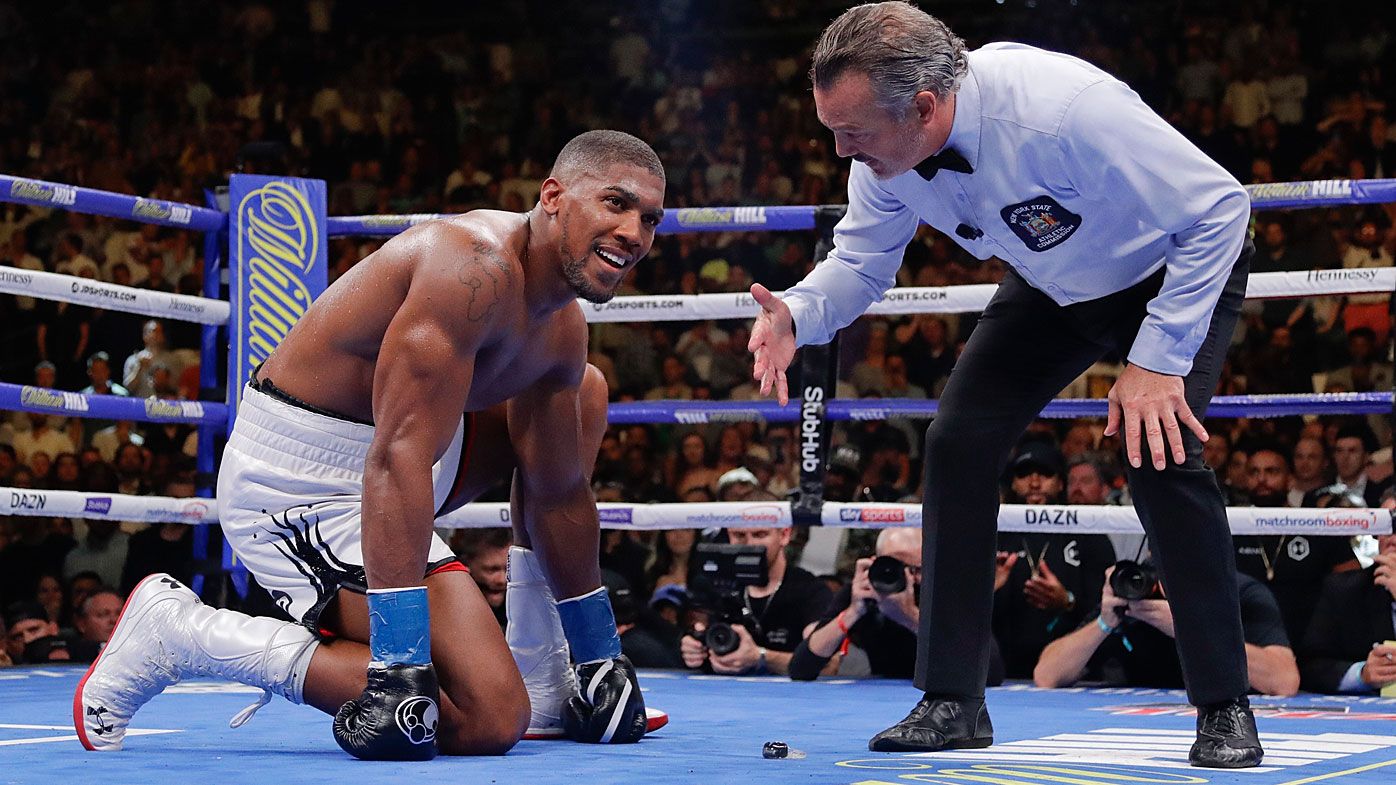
1352 680
803 319
1157 351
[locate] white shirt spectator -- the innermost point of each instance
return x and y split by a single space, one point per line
1287 93
50 441
80 265
1248 101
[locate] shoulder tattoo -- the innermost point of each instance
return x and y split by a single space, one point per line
485 274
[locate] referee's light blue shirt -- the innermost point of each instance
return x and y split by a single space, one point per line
1077 184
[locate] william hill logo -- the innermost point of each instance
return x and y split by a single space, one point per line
721 216
279 245
161 211
51 193
49 399
157 409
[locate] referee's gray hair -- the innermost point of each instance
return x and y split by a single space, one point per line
901 48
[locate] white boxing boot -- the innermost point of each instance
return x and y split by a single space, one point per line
540 649
166 634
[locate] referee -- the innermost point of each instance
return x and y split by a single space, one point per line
1120 235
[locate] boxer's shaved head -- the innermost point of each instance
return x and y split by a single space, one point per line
595 151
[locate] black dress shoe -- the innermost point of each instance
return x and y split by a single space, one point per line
939 723
1226 736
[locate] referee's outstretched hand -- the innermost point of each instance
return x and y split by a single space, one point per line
1151 404
772 343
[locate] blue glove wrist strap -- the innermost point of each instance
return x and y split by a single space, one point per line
399 626
590 626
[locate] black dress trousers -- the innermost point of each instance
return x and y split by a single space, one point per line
1023 352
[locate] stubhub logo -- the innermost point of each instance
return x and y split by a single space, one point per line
615 515
97 504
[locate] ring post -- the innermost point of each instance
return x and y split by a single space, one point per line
278 265
818 378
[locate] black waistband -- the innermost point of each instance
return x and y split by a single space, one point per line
266 387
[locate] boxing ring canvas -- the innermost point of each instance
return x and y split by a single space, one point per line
1045 737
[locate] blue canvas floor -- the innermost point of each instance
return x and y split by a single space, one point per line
1057 737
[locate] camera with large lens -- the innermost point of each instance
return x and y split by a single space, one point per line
887 574
718 575
1134 580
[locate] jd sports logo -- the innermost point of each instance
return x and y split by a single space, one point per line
417 719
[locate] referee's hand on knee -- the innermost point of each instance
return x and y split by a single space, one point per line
1152 405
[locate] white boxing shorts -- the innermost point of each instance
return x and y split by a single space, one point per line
290 492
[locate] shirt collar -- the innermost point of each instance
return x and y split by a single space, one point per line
964 128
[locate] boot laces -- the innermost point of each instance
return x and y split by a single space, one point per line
1222 722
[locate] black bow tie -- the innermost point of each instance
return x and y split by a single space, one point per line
946 159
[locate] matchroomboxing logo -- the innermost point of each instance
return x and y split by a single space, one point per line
48 193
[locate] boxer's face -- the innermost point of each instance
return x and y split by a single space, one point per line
607 220
889 143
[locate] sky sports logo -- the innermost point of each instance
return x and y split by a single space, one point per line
873 515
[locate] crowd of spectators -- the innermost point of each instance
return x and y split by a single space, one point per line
458 107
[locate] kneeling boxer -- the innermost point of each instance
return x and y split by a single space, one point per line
350 439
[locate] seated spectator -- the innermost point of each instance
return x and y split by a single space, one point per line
39 547
671 555
1352 451
54 600
485 552
43 437
94 620
784 610
1350 646
736 485
1310 470
102 551
692 466
137 372
28 624
1292 566
648 639
881 624
1044 582
1130 643
673 384
162 547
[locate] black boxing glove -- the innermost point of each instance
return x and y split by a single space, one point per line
609 708
394 718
